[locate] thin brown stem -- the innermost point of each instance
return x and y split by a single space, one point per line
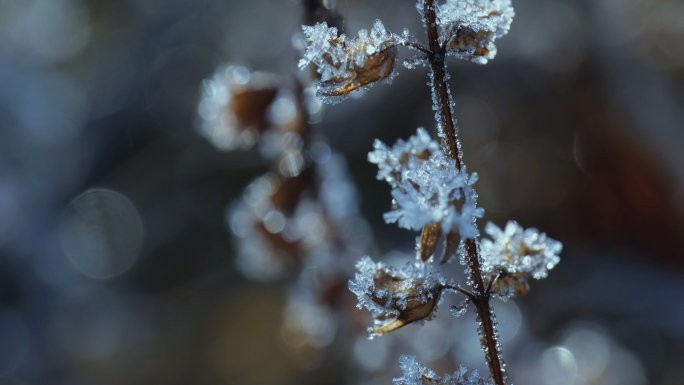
441 97
462 290
440 88
485 317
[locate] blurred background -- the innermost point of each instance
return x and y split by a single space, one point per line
117 258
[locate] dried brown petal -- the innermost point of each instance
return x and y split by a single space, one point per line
375 68
503 283
346 64
420 302
428 241
466 37
415 311
453 240
397 297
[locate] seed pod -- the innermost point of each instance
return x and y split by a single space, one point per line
397 297
375 68
345 64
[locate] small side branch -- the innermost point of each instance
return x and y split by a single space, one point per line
462 290
417 46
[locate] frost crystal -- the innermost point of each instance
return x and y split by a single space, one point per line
436 191
428 188
397 297
393 161
517 254
348 64
460 309
469 28
417 374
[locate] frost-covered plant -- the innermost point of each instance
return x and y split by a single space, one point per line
431 189
516 254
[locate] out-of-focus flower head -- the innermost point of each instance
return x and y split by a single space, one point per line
237 106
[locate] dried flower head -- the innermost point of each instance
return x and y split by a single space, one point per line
417 374
430 193
435 191
517 254
278 226
349 64
428 188
468 28
234 107
393 161
397 297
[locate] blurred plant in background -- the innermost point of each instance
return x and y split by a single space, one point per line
302 217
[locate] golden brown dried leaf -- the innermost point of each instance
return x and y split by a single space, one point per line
453 239
414 310
428 240
469 38
376 68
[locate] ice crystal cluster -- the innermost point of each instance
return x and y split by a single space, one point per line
392 161
518 254
347 64
428 187
397 297
468 28
417 374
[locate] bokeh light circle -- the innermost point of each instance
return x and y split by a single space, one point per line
101 233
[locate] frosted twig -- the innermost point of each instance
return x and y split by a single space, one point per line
441 96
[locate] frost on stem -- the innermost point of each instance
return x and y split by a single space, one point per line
517 254
461 309
234 106
347 64
468 28
397 297
417 374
